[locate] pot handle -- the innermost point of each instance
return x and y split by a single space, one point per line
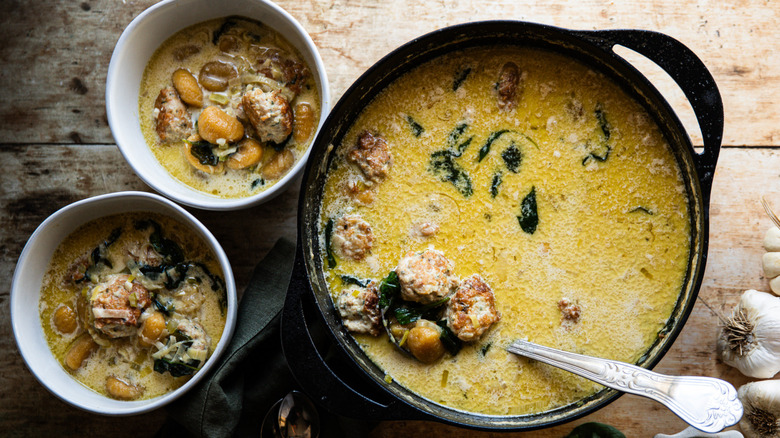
690 73
311 371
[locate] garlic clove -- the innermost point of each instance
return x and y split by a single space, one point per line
750 338
772 239
761 401
692 432
774 284
771 261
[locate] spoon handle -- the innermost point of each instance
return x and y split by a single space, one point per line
705 403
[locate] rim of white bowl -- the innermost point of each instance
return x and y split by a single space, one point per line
193 12
26 289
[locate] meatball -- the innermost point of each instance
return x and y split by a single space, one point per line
200 339
372 156
424 229
569 310
359 309
508 81
280 68
174 122
269 113
426 276
116 305
471 311
352 237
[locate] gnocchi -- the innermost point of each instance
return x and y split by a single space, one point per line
244 91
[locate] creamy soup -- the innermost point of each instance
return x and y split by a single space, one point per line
228 106
133 305
533 172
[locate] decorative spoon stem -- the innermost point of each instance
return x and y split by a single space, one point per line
705 403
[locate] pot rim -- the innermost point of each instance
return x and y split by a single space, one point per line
568 42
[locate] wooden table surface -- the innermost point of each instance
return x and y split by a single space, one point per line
56 148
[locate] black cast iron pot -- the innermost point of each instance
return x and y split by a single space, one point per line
354 386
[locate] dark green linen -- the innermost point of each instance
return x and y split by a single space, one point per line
252 373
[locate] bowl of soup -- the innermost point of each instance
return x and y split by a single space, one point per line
121 303
497 181
216 105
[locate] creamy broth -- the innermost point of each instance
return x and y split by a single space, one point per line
73 281
250 53
613 231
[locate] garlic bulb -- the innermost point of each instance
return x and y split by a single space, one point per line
750 338
761 401
771 259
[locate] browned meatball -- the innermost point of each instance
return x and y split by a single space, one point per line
570 311
269 113
116 305
359 309
371 154
472 310
352 237
277 66
173 120
508 81
426 276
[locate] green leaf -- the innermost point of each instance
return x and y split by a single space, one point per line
460 76
328 250
595 156
512 158
454 136
595 430
494 185
348 279
416 128
451 342
443 166
603 123
406 315
202 150
485 149
258 182
529 218
389 288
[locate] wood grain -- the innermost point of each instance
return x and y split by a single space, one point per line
56 148
54 64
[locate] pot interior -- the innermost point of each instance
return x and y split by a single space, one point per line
456 38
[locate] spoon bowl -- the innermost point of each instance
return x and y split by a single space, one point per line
293 416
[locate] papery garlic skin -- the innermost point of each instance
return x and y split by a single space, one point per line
761 355
763 395
771 259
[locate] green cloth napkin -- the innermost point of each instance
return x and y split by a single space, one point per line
252 373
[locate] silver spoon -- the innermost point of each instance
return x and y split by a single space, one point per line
705 403
293 416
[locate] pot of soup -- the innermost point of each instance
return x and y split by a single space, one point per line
496 181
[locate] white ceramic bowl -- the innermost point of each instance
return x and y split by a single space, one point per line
26 292
134 49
